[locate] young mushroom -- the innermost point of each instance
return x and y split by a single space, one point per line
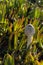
29 32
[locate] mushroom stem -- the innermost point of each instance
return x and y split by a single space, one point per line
29 40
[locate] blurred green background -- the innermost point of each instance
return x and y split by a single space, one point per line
14 16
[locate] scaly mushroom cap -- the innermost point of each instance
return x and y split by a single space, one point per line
29 30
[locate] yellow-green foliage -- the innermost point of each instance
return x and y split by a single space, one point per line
21 17
8 60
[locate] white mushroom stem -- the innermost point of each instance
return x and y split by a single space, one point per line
29 40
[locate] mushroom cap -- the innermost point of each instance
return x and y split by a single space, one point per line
29 30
